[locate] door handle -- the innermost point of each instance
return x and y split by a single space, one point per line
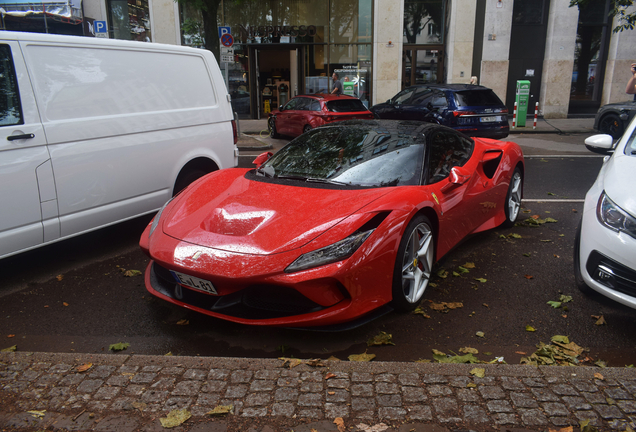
20 137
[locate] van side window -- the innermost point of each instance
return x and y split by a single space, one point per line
10 110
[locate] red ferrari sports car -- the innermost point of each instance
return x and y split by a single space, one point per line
306 112
341 225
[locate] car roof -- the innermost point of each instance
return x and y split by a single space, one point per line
414 126
452 87
326 97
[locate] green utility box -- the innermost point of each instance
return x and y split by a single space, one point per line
522 97
347 88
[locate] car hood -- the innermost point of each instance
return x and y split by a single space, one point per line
616 185
229 212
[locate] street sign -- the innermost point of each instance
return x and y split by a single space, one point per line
227 58
101 30
227 40
226 50
224 30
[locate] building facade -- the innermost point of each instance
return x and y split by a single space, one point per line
280 48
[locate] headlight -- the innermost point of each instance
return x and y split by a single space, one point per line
332 253
155 221
615 218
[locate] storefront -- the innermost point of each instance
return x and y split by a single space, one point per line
290 47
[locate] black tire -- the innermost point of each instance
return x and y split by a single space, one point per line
578 277
186 178
611 124
271 123
307 128
512 204
413 264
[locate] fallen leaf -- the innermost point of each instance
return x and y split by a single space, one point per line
361 357
485 305
471 385
10 349
64 303
169 354
84 367
130 273
419 311
480 334
442 273
550 220
550 193
545 241
183 322
515 235
316 362
445 306
520 352
333 358
338 421
556 256
438 352
11 335
610 401
59 277
469 265
600 363
565 298
118 346
175 418
529 328
528 277
221 410
139 405
554 304
468 350
290 362
478 372
330 375
560 339
527 254
600 321
37 414
383 338
482 280
380 427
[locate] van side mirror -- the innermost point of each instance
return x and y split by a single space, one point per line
601 144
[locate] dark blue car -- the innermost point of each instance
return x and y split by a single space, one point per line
472 109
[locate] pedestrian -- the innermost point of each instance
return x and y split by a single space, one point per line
631 84
473 80
337 85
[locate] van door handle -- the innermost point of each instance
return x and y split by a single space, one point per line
20 137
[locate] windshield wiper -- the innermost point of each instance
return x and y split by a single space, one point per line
327 181
267 171
291 177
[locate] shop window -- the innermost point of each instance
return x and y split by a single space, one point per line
351 21
425 15
129 20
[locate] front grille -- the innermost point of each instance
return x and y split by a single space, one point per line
611 274
254 302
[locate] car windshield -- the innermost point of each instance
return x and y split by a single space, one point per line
484 97
346 105
357 156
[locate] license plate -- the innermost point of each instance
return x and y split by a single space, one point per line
194 282
488 119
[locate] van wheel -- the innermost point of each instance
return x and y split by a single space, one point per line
184 179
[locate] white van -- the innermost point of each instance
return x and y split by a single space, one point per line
97 131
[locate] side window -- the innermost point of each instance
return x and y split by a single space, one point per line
438 100
302 103
447 150
421 96
403 96
291 105
10 109
315 106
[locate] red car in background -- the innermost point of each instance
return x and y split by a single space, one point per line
306 112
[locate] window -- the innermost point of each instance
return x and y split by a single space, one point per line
315 106
421 96
402 96
10 110
438 100
291 105
446 150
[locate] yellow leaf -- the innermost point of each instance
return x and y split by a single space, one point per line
130 273
468 350
37 414
361 357
597 375
529 328
59 277
478 372
330 375
290 362
480 334
175 418
84 367
340 423
601 321
11 335
183 322
469 265
10 349
65 304
383 338
221 410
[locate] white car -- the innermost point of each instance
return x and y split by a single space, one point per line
605 245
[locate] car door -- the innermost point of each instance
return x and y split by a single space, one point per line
416 107
436 106
460 213
28 214
284 117
393 108
298 118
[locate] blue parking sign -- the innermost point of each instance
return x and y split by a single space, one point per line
100 27
224 30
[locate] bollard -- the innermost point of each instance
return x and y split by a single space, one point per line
514 116
536 112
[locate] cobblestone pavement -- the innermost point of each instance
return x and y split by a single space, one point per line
131 393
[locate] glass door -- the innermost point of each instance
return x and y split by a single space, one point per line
422 65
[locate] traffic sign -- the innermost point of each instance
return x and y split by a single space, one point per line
224 30
227 40
227 58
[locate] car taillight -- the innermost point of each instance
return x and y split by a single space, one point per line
234 131
463 113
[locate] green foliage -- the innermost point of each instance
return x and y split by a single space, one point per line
626 21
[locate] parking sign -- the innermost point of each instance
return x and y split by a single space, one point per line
224 30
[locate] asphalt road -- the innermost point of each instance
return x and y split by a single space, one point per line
74 296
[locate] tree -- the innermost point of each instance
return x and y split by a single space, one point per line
209 13
626 21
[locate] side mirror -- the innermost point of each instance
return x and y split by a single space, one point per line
262 158
601 144
280 108
457 177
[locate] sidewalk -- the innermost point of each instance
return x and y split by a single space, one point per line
131 393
